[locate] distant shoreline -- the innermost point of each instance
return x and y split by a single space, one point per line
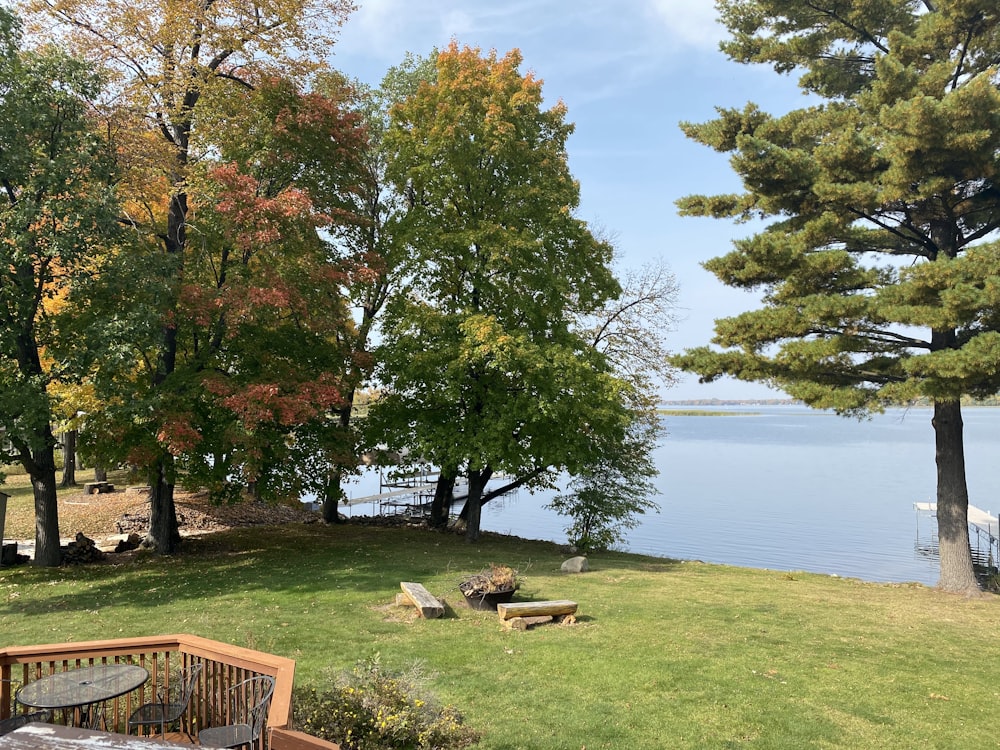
732 402
705 413
715 402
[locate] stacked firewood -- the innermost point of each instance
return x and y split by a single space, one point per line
81 551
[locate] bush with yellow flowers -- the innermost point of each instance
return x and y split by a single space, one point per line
371 708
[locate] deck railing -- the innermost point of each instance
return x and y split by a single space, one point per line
223 666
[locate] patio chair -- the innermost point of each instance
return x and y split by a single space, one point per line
19 720
16 722
171 702
249 701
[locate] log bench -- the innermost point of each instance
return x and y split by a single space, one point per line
522 615
96 488
414 594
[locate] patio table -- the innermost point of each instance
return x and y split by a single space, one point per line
83 687
56 737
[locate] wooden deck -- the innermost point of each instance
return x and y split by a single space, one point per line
224 665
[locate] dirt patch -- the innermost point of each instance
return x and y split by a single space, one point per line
127 511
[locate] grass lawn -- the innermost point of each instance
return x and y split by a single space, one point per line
665 654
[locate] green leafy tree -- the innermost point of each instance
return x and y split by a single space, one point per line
372 241
607 497
174 67
56 212
482 369
880 268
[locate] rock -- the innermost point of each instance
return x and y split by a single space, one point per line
576 565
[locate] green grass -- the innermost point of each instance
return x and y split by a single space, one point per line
665 654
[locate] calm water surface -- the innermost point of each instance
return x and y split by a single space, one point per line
789 488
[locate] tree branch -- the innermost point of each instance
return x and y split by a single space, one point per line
843 22
519 482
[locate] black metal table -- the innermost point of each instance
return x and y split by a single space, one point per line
83 687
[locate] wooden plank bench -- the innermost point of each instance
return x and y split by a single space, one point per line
416 595
524 615
535 609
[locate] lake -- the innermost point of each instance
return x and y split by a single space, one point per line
790 488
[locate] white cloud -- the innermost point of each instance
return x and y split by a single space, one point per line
379 28
457 23
690 22
385 28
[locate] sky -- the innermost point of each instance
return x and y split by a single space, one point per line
629 71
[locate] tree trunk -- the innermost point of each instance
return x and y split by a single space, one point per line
333 495
69 459
43 484
443 498
163 534
100 474
957 573
474 503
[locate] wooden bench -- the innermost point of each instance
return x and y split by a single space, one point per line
416 595
522 615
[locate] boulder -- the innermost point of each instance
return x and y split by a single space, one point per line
576 565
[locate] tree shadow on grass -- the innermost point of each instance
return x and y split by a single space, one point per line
311 561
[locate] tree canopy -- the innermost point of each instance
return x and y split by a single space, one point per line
269 211
483 367
176 71
879 268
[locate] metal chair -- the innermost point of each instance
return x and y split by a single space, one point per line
19 720
16 722
171 702
249 701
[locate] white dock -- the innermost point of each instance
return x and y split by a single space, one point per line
977 517
984 536
386 495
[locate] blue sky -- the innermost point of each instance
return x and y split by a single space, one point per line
629 71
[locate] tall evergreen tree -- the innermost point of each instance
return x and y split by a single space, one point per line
880 269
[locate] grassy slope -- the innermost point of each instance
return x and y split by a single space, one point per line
679 655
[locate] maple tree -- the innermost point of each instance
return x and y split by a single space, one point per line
174 68
288 358
879 269
261 314
56 210
482 367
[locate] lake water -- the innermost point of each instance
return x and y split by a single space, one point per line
790 488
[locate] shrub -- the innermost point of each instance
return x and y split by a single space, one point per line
370 708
